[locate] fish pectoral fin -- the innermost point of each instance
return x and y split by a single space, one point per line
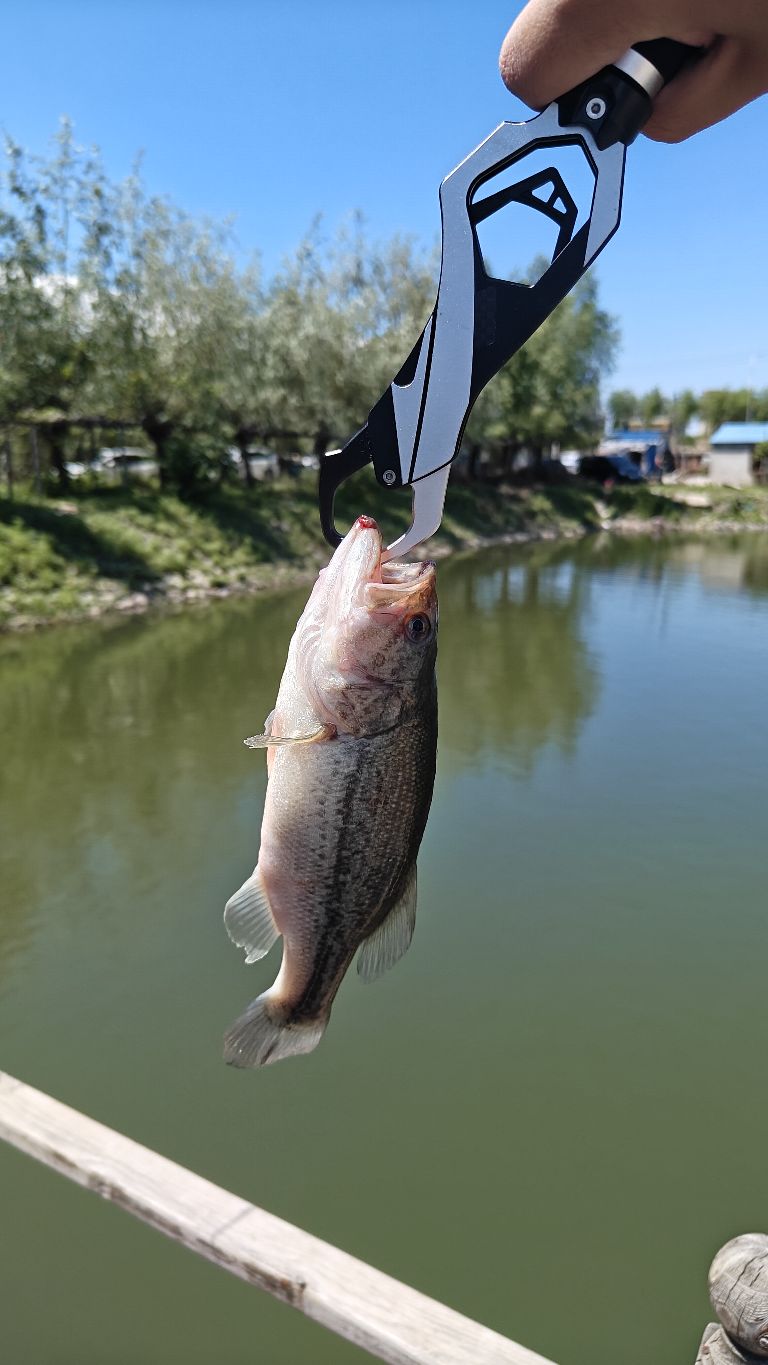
392 938
249 920
266 741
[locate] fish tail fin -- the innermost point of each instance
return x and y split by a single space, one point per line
263 1034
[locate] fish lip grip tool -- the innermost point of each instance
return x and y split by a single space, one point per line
414 431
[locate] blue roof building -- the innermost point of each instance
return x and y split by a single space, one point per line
739 434
732 451
638 439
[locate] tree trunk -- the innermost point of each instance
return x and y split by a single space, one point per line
241 441
510 455
34 441
322 437
9 467
159 432
56 437
475 451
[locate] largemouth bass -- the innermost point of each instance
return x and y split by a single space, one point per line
351 748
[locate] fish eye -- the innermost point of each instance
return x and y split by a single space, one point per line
418 627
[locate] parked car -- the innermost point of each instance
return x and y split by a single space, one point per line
115 462
571 460
77 470
263 464
610 468
296 464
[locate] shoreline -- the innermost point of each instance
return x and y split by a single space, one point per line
539 514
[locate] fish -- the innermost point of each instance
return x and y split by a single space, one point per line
351 755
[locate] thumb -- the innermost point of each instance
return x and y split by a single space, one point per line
554 45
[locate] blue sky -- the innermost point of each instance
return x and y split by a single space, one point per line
272 112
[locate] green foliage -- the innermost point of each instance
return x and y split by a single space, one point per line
623 406
89 553
682 408
733 405
549 391
79 557
652 406
28 558
117 306
714 406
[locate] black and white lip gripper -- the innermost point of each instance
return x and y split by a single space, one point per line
414 431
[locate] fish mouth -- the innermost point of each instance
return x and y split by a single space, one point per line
401 585
380 585
393 572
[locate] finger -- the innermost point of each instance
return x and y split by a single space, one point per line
730 76
553 45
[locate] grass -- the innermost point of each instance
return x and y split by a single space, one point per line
121 547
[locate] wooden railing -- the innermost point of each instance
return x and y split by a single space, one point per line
389 1319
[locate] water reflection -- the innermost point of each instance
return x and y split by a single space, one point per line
591 938
731 563
515 673
112 731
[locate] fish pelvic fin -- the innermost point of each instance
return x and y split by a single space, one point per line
263 1035
392 938
248 918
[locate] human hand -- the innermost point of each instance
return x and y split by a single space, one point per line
553 45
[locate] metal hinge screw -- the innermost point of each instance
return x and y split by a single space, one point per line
389 476
596 108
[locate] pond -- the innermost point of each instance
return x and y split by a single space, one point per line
553 1111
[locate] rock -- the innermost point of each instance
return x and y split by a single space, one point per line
134 601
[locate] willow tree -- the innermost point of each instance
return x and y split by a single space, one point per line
549 392
339 320
623 406
165 302
53 215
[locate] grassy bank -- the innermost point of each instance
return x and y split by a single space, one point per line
125 548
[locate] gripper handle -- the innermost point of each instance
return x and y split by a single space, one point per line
616 103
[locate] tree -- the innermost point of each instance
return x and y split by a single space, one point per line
682 408
118 308
548 393
55 214
653 405
167 314
733 405
339 321
623 407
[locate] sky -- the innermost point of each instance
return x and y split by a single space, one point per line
271 112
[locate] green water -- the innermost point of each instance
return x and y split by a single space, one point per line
552 1112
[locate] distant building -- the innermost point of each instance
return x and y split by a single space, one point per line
732 452
646 447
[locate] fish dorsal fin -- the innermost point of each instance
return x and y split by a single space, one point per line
266 740
249 920
387 944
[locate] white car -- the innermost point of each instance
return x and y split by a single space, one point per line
115 462
263 464
569 459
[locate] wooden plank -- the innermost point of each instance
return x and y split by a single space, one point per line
389 1319
716 1349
